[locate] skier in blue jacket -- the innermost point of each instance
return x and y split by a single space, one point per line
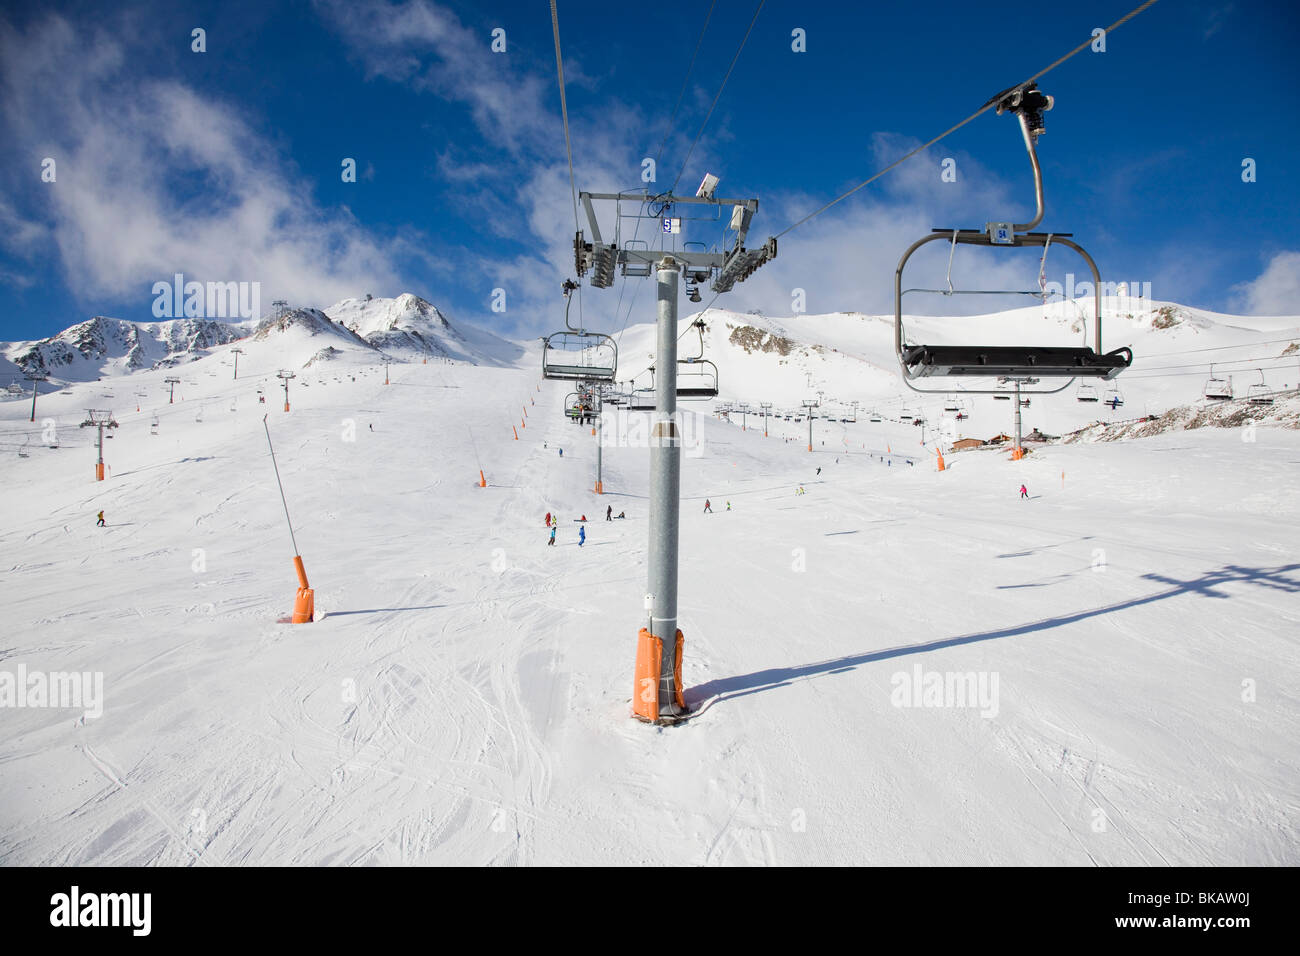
582 536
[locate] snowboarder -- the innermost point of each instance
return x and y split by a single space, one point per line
728 505
548 519
819 471
552 540
582 536
622 514
609 513
1024 492
708 507
100 522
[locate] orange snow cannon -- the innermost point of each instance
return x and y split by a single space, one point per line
649 659
304 605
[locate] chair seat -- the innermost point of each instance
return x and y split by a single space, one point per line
1013 360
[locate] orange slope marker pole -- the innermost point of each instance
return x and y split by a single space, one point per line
304 604
516 431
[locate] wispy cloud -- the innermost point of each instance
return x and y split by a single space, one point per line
1276 291
154 178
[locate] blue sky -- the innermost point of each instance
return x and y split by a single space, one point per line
226 165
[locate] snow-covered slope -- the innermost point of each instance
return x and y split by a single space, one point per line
847 357
465 698
404 328
410 324
103 346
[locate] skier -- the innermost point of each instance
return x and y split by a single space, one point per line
561 452
582 536
551 542
819 471
609 513
728 505
708 507
372 427
1024 492
548 519
100 522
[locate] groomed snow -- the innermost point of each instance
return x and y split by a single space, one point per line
465 699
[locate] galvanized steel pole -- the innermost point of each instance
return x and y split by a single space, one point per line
665 488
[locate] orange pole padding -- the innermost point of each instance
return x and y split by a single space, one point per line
942 467
649 658
600 488
482 482
286 406
1017 454
304 605
810 447
99 472
593 431
516 431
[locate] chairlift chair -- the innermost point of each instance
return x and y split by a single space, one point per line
1086 393
1217 389
641 400
1020 361
576 354
1259 394
1114 398
697 377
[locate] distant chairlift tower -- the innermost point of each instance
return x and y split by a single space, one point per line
236 352
35 378
172 381
284 377
101 419
809 405
767 408
659 645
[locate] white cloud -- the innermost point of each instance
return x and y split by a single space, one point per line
125 210
1275 292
